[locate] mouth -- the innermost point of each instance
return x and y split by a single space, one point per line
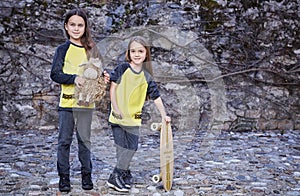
76 33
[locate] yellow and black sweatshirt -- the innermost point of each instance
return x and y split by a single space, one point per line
131 92
65 68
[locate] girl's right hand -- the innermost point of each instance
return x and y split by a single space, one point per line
117 115
79 81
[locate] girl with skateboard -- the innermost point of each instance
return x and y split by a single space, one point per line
131 85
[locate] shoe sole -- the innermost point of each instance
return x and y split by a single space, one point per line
63 190
87 188
116 188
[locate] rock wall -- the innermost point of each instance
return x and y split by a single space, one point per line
219 65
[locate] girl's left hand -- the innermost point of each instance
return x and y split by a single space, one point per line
167 119
106 77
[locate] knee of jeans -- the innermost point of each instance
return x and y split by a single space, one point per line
82 140
83 137
133 147
64 142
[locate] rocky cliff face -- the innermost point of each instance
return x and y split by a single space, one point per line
230 65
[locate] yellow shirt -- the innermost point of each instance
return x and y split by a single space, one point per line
131 93
66 66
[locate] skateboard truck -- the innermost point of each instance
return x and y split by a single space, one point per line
156 126
156 178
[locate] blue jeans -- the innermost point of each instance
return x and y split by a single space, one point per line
126 142
67 122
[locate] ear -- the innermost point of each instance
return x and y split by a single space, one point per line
66 27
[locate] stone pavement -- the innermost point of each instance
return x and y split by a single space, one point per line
226 163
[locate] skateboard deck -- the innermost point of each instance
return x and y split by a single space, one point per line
166 155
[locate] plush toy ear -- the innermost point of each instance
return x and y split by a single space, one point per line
92 59
90 73
98 64
96 61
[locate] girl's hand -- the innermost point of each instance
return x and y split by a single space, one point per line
117 115
167 119
106 77
79 81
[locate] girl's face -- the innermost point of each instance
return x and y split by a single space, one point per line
75 28
137 53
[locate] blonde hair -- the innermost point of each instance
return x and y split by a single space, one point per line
147 65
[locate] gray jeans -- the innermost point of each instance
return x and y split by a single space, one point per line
67 122
126 142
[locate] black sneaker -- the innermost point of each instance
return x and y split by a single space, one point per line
116 182
87 183
64 183
127 177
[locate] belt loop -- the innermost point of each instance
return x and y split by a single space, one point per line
138 116
65 96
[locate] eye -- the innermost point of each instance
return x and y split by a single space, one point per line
81 25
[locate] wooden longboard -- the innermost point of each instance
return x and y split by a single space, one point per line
166 155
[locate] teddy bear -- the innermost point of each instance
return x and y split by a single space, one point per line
94 88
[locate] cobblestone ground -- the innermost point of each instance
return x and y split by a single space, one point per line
226 163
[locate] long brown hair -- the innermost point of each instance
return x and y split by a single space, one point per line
86 39
147 65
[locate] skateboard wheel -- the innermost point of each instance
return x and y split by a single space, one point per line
155 126
156 178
